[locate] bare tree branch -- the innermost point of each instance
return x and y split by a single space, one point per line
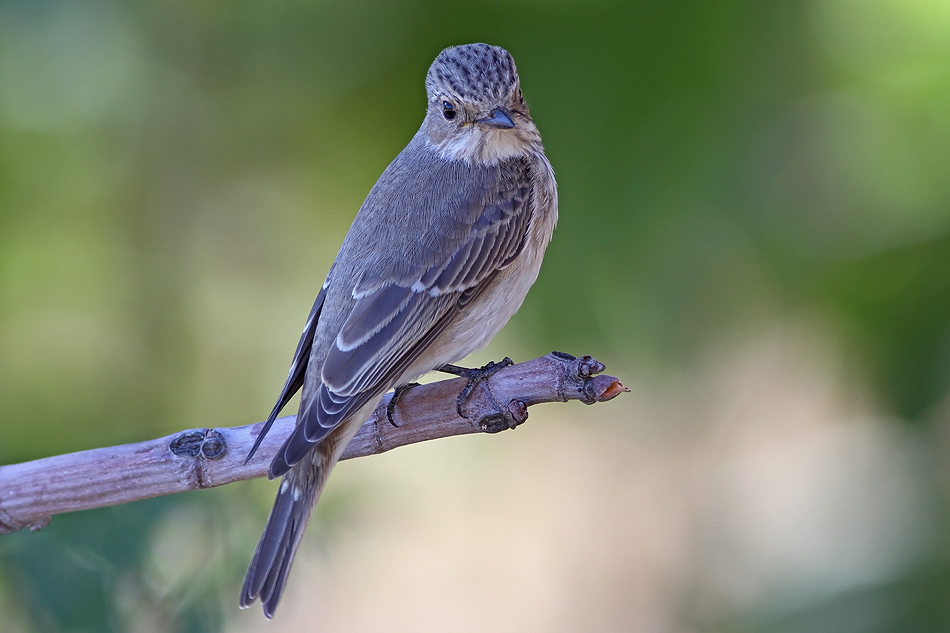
31 492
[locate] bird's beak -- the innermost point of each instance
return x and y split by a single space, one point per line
499 118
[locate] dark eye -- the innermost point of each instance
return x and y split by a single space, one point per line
448 110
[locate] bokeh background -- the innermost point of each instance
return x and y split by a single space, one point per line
754 235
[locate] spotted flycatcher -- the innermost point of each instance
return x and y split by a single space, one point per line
439 257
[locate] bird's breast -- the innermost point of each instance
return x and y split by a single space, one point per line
484 317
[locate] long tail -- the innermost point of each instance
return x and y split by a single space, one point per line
267 573
299 491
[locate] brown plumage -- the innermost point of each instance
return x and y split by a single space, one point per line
439 257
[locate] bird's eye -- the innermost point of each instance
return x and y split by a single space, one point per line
448 110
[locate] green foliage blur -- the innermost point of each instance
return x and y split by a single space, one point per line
176 177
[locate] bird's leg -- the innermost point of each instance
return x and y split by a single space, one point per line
475 377
398 393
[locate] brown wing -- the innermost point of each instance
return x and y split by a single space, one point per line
298 367
404 303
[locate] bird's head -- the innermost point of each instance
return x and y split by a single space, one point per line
476 111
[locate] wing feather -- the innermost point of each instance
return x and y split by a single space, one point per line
404 301
298 367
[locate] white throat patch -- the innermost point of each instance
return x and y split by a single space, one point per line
483 145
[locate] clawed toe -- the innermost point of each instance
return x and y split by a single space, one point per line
475 377
398 393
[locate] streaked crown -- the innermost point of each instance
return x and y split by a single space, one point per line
473 73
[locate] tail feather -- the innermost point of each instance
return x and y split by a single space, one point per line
299 491
274 588
267 573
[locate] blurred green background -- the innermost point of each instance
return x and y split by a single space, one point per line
754 235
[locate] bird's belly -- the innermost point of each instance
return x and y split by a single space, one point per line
483 318
486 315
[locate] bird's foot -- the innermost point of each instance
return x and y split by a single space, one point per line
475 377
398 393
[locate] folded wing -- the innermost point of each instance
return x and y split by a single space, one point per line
403 303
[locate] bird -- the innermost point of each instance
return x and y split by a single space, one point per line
439 257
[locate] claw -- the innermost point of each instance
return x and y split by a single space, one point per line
398 393
475 378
